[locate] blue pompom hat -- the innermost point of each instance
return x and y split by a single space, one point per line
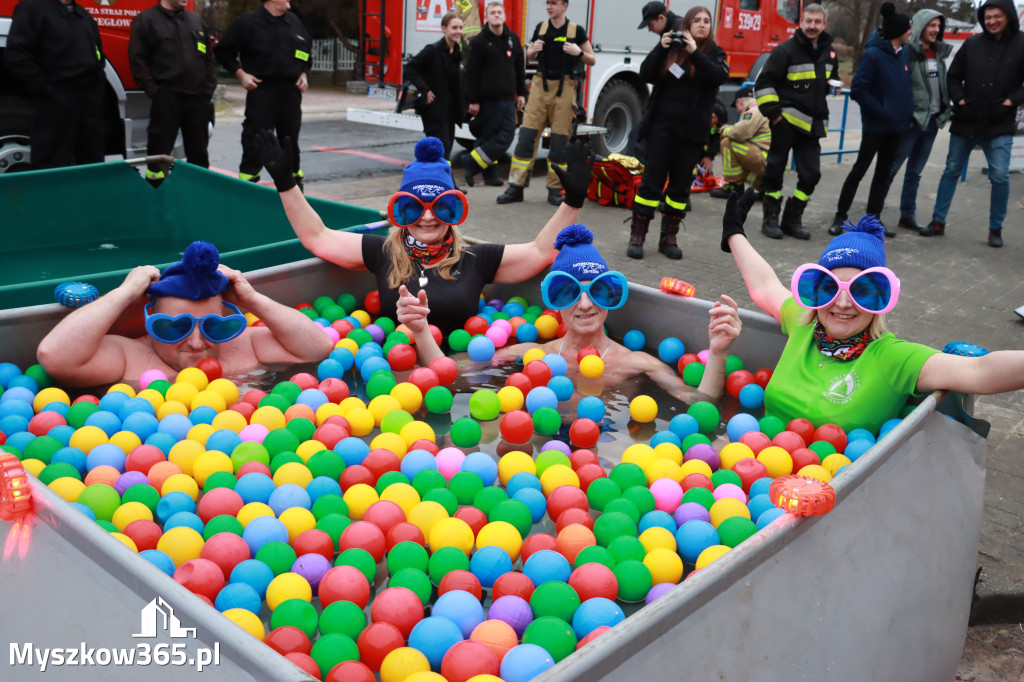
861 246
429 175
577 254
195 277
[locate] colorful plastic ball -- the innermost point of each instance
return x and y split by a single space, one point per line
693 537
461 608
480 349
451 532
227 550
332 649
376 641
594 613
752 396
643 409
634 339
247 620
831 434
288 586
525 662
402 663
181 544
670 350
469 659
398 606
488 563
465 432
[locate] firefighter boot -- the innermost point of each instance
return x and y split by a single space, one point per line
511 195
792 219
491 177
470 168
770 225
555 196
727 189
669 230
637 233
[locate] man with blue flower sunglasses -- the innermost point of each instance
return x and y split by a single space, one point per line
186 320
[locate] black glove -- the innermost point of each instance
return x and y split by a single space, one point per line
277 159
575 178
736 211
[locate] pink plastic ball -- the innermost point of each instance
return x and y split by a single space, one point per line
727 490
254 432
498 336
448 462
503 325
668 494
149 376
332 334
703 357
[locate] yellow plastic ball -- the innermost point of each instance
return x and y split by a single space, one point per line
360 420
834 462
169 407
639 454
297 520
734 452
251 319
293 472
657 537
268 416
349 345
659 467
309 448
194 376
50 395
391 442
408 395
359 498
710 554
200 433
208 399
253 510
128 512
288 586
182 483
248 621
484 678
351 403
381 405
122 388
33 466
184 454
665 565
402 494
669 451
155 397
326 411
86 438
510 398
425 514
591 366
362 316
776 460
547 326
229 420
501 534
426 676
226 388
726 508
643 409
126 541
451 532
695 466
67 487
182 391
816 471
532 355
126 440
209 463
417 430
513 463
556 476
181 544
401 663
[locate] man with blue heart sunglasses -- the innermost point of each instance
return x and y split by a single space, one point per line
186 320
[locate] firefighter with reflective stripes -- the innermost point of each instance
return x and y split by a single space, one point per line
791 93
744 147
268 50
561 49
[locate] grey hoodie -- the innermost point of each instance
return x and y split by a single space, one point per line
920 83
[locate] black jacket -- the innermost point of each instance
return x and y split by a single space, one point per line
495 67
438 70
53 44
687 99
794 83
274 49
984 73
171 51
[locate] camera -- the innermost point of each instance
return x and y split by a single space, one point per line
676 38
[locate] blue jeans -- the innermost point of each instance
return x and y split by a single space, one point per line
997 154
915 148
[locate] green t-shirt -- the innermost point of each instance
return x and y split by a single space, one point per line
861 393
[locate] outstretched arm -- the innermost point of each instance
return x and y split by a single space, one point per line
79 351
998 372
763 284
288 337
412 311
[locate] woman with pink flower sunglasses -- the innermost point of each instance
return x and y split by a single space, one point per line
840 364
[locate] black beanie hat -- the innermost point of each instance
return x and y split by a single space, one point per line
894 24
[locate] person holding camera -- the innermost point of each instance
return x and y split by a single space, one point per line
686 68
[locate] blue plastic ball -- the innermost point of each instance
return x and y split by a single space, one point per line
264 529
527 332
238 596
888 426
320 486
16 408
176 425
134 405
768 516
557 364
416 461
255 487
740 424
343 356
657 519
480 349
534 500
481 464
670 350
433 637
88 512
594 613
12 424
24 381
113 401
759 504
354 321
186 519
287 496
7 372
634 340
18 393
665 437
173 503
513 309
752 397
59 408
540 396
313 397
489 563
761 487
62 433
223 440
562 387
72 456
106 454
164 441
856 448
255 574
545 565
372 365
460 607
683 425
107 421
330 368
860 434
204 414
159 559
353 450
693 537
524 479
524 662
591 408
141 424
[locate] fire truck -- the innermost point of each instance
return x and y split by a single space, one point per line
613 95
126 106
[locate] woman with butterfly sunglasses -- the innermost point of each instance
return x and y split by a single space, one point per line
582 287
424 249
840 365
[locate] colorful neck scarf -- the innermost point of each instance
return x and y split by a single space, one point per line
841 349
428 254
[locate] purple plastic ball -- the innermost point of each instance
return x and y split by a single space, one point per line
513 610
312 567
496 303
556 445
128 479
705 453
657 591
691 511
377 332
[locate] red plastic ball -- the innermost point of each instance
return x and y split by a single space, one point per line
330 434
211 368
86 399
201 576
287 639
475 518
581 458
788 441
756 441
585 351
254 396
304 663
372 302
402 357
350 671
143 457
594 580
384 514
749 470
40 424
314 541
697 481
380 462
762 377
364 535
144 533
584 432
516 426
566 497
460 580
343 327
344 583
563 329
467 659
400 607
736 381
574 515
435 332
802 457
354 474
446 369
304 380
338 420
802 427
244 409
226 550
589 473
404 532
538 373
537 542
520 381
424 379
217 502
512 583
685 360
476 325
831 433
424 444
335 389
594 634
376 641
253 468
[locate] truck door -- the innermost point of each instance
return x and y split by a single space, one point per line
741 32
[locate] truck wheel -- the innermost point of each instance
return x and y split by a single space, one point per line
618 110
15 124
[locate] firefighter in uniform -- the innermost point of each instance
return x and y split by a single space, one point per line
744 147
268 50
791 94
559 46
54 48
172 60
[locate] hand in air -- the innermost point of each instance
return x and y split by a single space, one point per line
725 325
412 311
575 178
276 158
736 210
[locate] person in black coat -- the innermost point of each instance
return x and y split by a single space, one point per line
686 68
435 70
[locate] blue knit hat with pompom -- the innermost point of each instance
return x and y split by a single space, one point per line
195 277
577 254
861 246
429 175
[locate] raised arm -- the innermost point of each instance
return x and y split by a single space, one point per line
998 372
412 311
79 351
763 285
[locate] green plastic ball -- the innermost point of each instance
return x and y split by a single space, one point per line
458 340
43 379
250 451
515 513
386 324
334 524
611 525
380 383
42 448
771 426
333 313
389 478
595 554
394 420
102 499
465 485
634 580
438 400
725 476
621 505
465 432
224 523
348 302
326 463
707 415
627 474
288 389
641 496
487 497
51 472
329 504
549 458
150 496
552 634
735 530
360 336
693 439
220 479
484 404
415 580
701 496
302 428
296 613
397 337
79 412
360 559
554 598
343 617
275 400
601 491
160 385
444 497
311 313
693 373
626 547
822 448
444 561
332 649
282 458
108 526
407 555
279 556
320 303
732 363
281 440
547 421
427 480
